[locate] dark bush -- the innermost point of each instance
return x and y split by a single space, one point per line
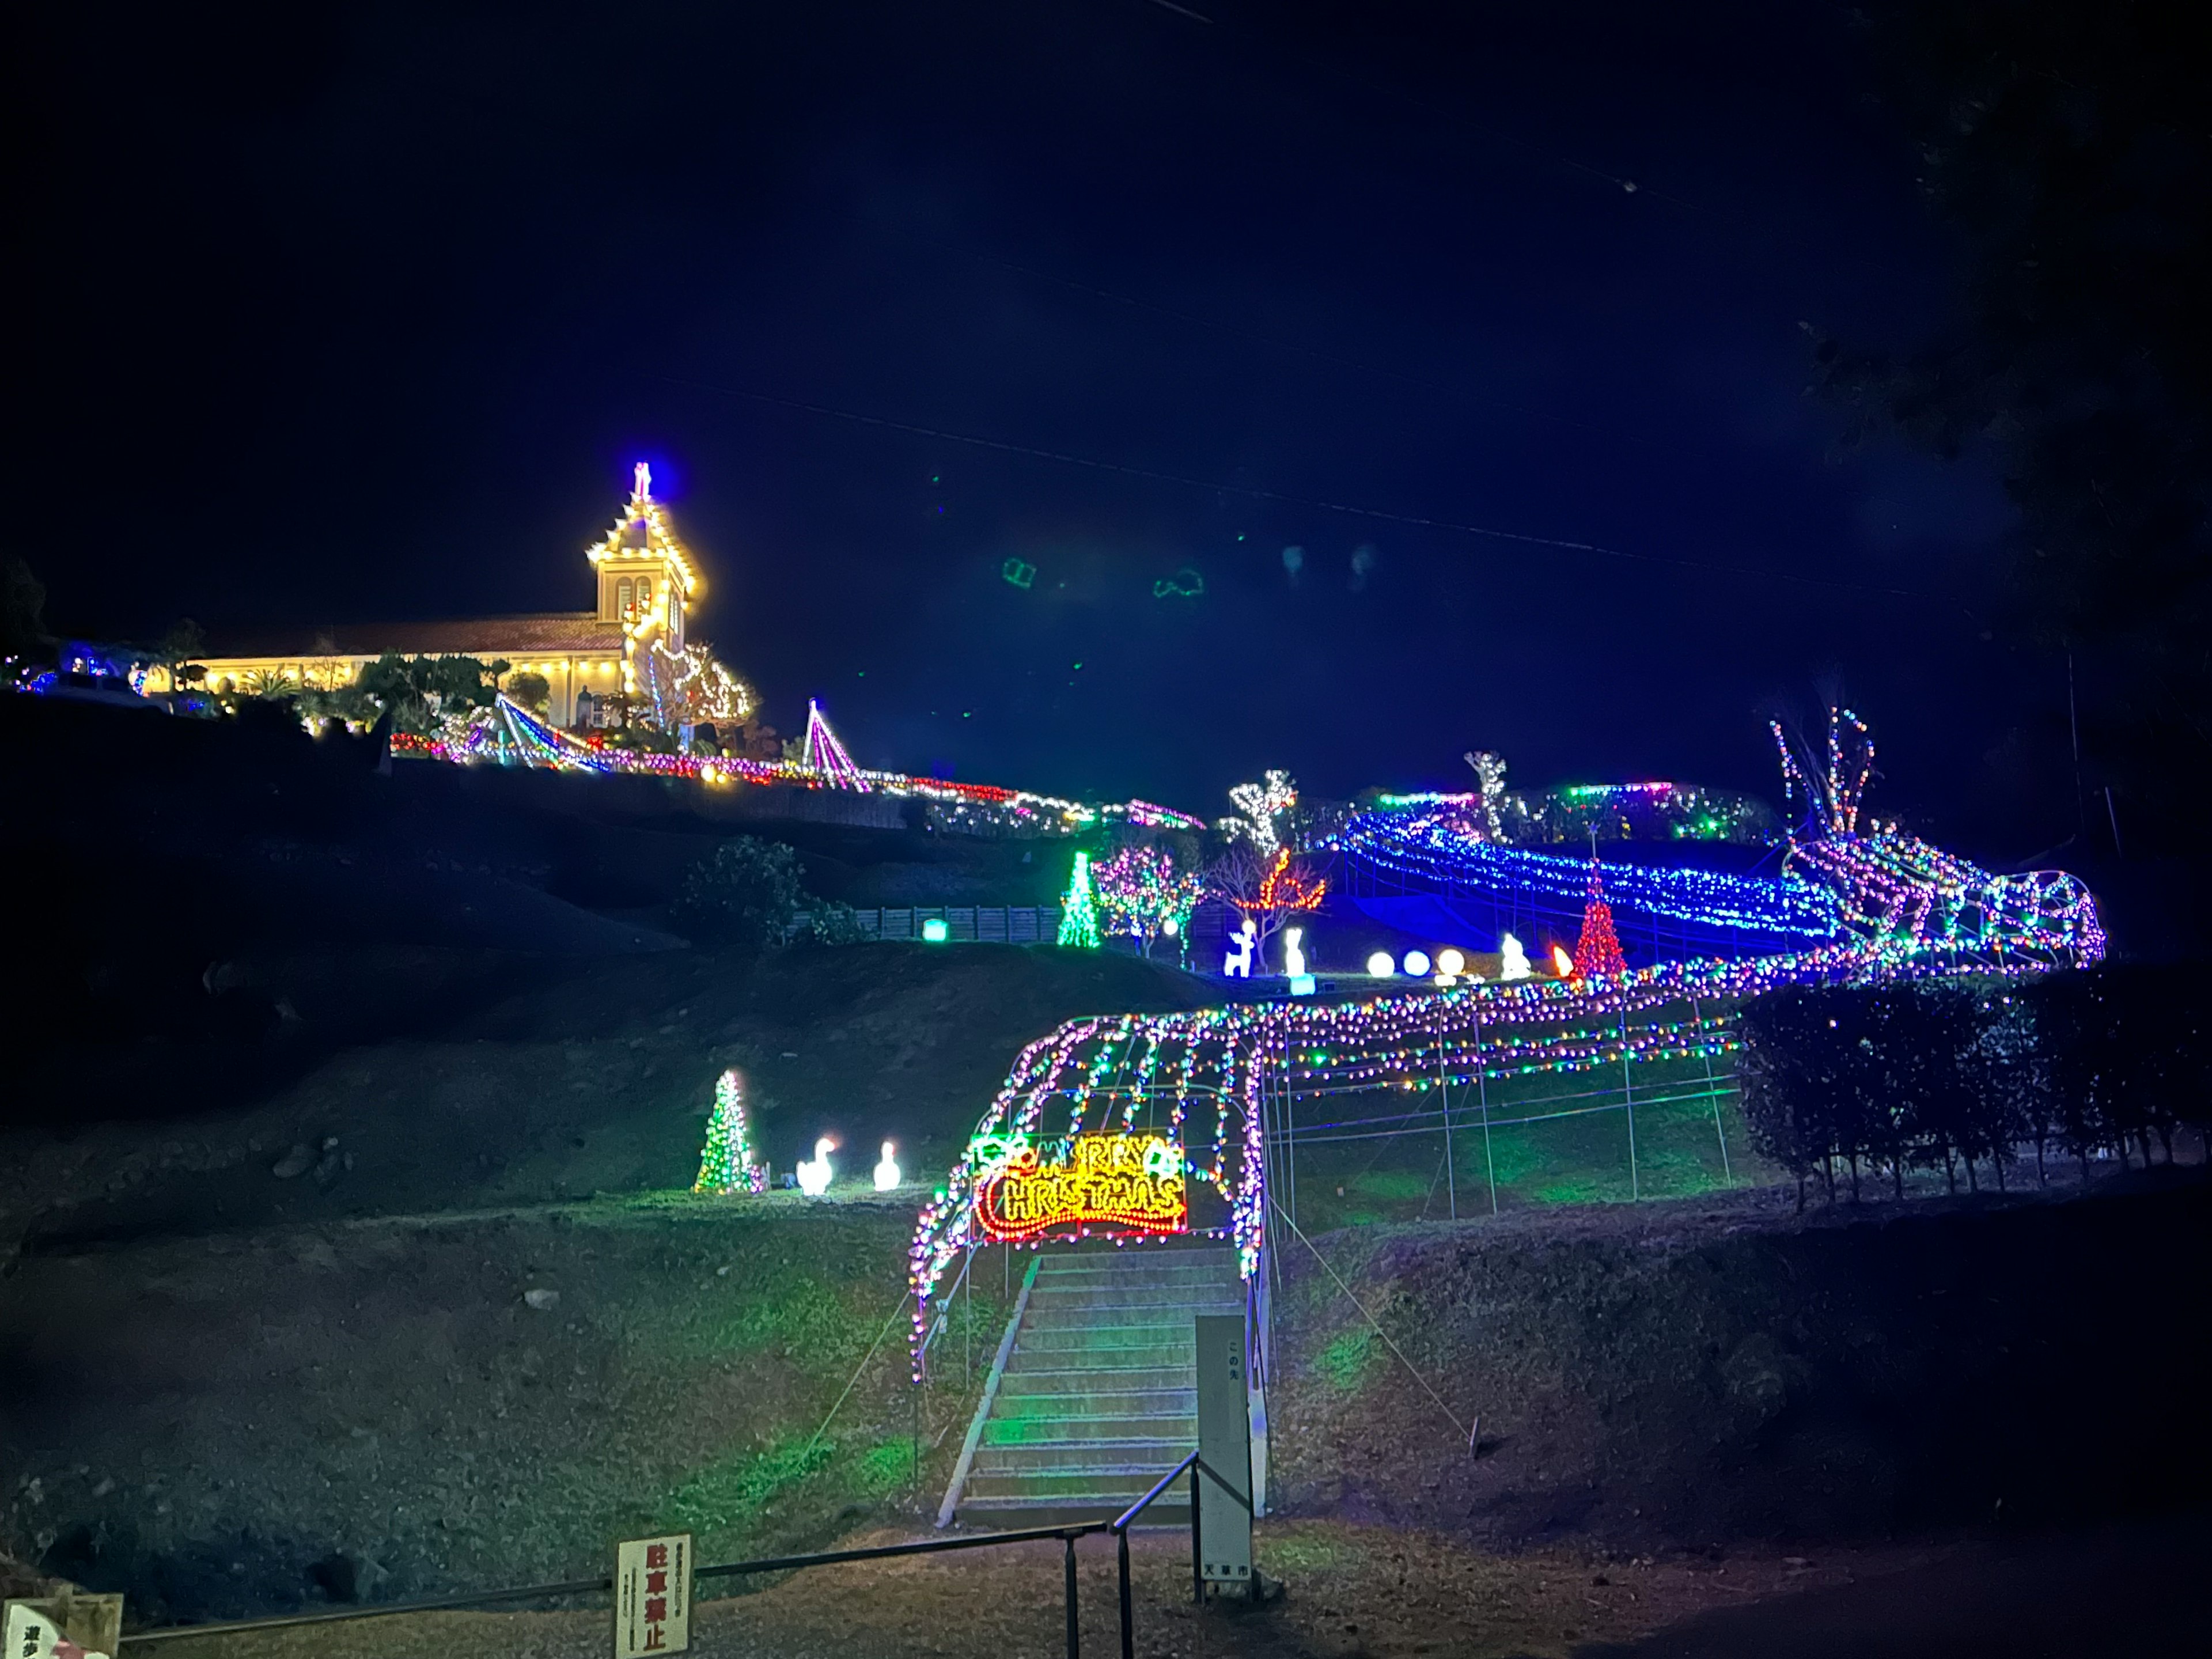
833 921
744 897
1963 1075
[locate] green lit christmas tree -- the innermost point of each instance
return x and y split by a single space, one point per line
1078 910
725 1164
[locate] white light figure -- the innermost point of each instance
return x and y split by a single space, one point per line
1237 964
1294 959
1170 928
1417 963
814 1173
1382 964
1515 964
887 1170
1451 964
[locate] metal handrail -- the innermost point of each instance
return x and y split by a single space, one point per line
383 1610
1195 1466
881 1551
1068 1535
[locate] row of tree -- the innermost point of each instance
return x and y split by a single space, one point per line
1968 1076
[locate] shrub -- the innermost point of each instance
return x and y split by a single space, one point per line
835 922
744 897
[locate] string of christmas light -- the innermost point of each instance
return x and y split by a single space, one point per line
725 1164
1261 804
1832 796
1436 845
1143 894
1286 889
1411 1042
823 753
1597 952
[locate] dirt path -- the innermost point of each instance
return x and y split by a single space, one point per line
1352 1593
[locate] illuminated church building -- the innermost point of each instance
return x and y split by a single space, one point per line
594 661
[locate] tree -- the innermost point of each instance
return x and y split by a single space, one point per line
1142 894
531 691
726 1163
179 647
2065 146
1268 888
1262 806
1598 950
421 693
744 897
1079 913
23 612
1786 1076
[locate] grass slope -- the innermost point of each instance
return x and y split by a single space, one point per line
556 1079
224 1425
1718 1368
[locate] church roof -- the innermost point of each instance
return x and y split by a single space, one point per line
643 532
546 634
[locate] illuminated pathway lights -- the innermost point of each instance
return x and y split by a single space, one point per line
1198 1080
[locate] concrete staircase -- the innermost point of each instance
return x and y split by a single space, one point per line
1098 1398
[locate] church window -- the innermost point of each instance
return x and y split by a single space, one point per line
644 596
623 603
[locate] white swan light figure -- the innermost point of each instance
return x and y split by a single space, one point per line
814 1173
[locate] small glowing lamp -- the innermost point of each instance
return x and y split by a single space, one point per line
1380 965
1416 963
814 1173
887 1170
1170 928
1451 962
935 931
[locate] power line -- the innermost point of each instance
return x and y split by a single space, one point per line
1350 509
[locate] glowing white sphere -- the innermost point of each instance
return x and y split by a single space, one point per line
1417 963
1451 962
1380 965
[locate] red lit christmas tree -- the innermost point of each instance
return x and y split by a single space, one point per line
1598 950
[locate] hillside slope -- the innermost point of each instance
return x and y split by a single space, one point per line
1702 1370
552 1078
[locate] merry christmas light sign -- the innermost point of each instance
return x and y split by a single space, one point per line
1128 1182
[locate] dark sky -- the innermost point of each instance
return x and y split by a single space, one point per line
345 313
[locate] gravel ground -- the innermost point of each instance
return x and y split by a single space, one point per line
1349 1592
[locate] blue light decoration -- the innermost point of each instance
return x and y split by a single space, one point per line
1441 844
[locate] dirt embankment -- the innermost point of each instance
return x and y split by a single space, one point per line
1707 1371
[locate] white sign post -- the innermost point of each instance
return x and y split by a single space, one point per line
1224 1445
40 1628
653 1595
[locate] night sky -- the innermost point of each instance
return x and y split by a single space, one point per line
346 313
